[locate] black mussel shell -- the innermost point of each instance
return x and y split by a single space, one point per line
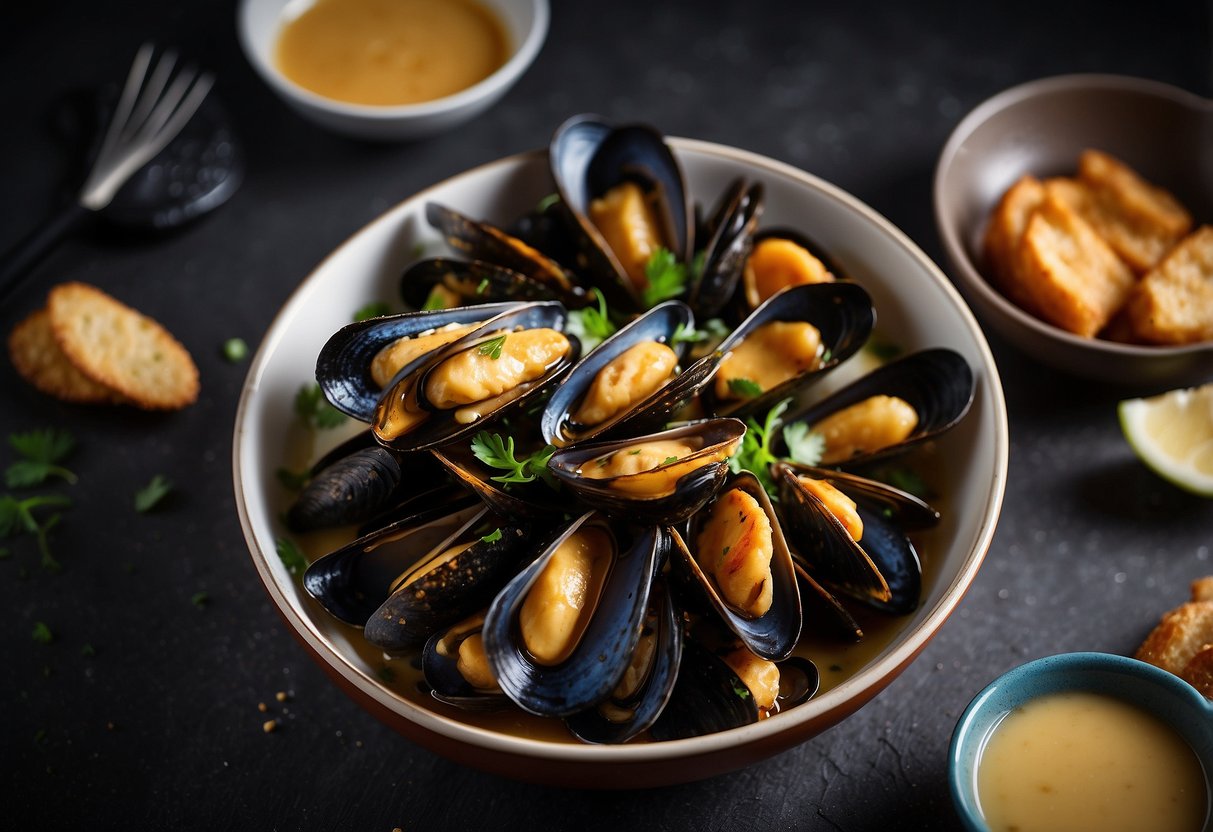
665 495
472 281
708 697
937 383
882 569
589 157
658 324
442 426
595 666
749 299
724 256
617 720
841 312
774 634
484 241
438 592
353 581
350 490
547 228
823 612
343 367
439 666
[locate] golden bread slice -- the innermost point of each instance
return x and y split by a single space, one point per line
1179 635
121 348
1141 222
1202 589
1198 672
1001 242
39 360
1173 303
1073 279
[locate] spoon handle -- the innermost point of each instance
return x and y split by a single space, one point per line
16 262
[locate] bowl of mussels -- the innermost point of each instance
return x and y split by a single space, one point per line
622 463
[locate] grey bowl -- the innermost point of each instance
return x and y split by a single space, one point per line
1040 127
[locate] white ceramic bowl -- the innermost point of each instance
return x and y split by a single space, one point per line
916 306
526 23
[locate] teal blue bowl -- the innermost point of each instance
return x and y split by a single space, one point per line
1155 691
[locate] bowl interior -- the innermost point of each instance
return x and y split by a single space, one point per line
916 307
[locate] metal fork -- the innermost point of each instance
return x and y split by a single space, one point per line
154 106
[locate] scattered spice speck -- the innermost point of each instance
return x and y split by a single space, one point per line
262 707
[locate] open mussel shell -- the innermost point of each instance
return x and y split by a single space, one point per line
405 419
731 228
442 588
773 634
937 383
841 312
749 293
343 367
823 612
588 157
619 718
353 581
597 663
882 569
484 241
440 668
667 494
469 281
658 324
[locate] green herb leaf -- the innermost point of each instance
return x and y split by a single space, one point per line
293 559
87 651
668 460
200 600
905 479
882 349
741 691
547 202
235 350
493 536
374 309
314 409
492 347
436 299
497 452
804 446
745 388
151 494
667 277
482 286
293 480
42 633
591 325
17 517
697 264
755 454
41 449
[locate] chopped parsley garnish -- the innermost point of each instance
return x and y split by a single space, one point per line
434 300
17 516
374 309
804 446
591 325
147 497
667 277
742 691
87 651
882 349
235 350
314 409
903 478
547 202
42 633
42 449
755 454
697 264
493 536
291 557
492 347
200 600
496 452
668 460
482 286
293 480
745 388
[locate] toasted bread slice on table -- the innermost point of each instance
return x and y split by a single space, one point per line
121 348
38 359
1173 303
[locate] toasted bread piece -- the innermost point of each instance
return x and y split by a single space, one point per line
121 348
1001 242
1198 672
1141 222
38 359
1074 280
1173 303
1202 589
1179 635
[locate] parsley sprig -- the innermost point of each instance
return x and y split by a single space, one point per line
492 347
757 446
19 516
42 450
147 497
292 558
667 277
314 409
496 451
591 325
744 387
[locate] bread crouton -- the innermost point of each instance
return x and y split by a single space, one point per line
1071 276
1173 303
1140 221
1180 634
1001 242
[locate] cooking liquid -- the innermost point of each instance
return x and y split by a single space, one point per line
1078 760
390 52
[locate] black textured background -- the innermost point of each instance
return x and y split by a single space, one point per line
1090 550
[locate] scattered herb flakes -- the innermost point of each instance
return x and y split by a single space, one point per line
482 286
755 454
547 202
150 495
836 668
435 300
745 388
293 559
666 276
386 674
374 309
493 536
17 516
697 263
293 480
42 449
200 600
906 480
87 651
497 452
42 634
804 446
882 349
235 350
592 325
492 347
668 460
741 691
314 409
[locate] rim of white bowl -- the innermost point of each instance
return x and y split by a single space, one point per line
870 679
957 249
504 76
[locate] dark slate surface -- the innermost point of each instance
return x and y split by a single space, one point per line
159 729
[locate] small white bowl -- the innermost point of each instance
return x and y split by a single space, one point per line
526 22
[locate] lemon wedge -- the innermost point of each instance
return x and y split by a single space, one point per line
1173 434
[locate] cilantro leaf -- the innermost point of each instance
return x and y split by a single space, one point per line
492 347
41 449
755 454
17 516
147 497
493 536
667 277
591 325
315 410
804 446
745 388
293 559
374 309
497 452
